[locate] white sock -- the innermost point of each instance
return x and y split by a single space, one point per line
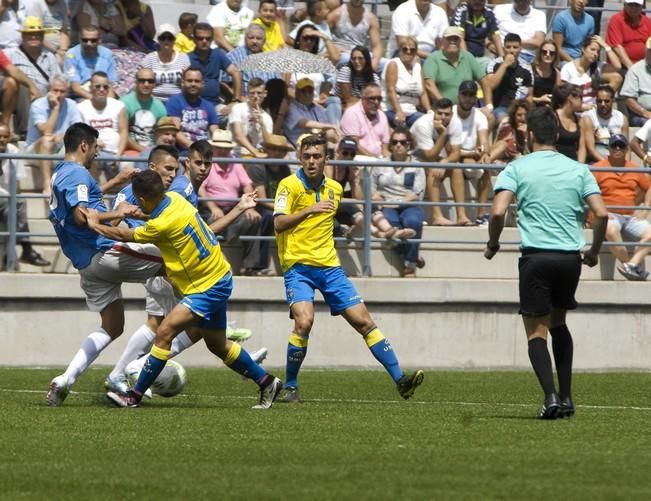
89 351
180 343
140 342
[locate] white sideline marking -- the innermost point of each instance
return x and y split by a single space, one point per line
364 401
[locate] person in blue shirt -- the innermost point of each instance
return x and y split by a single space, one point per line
570 28
86 58
103 264
551 190
197 115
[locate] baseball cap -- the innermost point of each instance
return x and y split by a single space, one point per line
453 31
32 24
618 139
639 2
348 143
166 123
166 28
468 86
304 83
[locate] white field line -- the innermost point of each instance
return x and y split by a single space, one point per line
364 401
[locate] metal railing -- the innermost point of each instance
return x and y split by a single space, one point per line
366 240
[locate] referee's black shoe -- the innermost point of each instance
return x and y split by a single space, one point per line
567 408
551 408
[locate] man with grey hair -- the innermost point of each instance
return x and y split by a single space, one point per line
254 39
49 117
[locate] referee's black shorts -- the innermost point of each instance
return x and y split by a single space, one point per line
548 279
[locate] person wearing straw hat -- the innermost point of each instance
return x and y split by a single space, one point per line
37 63
54 14
227 182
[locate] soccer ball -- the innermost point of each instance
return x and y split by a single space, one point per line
170 381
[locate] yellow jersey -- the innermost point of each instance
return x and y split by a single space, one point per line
274 35
193 258
184 44
311 241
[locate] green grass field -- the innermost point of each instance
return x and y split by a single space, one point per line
465 435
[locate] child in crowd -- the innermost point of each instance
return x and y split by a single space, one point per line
274 26
184 42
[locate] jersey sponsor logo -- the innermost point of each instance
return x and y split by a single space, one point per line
281 203
82 193
331 194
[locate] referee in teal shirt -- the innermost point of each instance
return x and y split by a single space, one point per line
551 191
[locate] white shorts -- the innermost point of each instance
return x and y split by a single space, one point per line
101 280
160 298
631 229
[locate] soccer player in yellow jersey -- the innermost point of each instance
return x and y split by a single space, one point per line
195 264
304 211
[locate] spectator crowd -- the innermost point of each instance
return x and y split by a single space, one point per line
453 82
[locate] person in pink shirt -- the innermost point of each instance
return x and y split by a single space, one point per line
368 124
628 31
230 181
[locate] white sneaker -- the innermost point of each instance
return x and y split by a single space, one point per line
269 393
58 391
117 385
260 355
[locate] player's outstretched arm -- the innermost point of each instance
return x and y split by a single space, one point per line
114 233
496 222
284 222
247 201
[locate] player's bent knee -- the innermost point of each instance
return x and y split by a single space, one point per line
303 325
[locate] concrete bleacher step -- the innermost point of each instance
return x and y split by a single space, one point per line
37 208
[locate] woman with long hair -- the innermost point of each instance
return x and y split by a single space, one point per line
567 102
354 76
546 74
405 100
511 138
588 72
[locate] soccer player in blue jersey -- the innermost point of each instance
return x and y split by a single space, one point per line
195 264
304 211
552 191
103 264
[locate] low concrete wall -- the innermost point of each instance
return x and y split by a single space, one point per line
431 323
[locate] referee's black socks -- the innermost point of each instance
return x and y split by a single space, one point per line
563 348
542 364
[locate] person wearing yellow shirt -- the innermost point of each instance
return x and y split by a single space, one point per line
194 263
304 211
274 31
184 41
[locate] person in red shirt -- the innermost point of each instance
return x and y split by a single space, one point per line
13 77
620 189
627 32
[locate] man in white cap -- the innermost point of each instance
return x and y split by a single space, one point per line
230 181
628 31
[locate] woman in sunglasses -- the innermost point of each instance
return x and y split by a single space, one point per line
403 85
567 103
546 74
354 76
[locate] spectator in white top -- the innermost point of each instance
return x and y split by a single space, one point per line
601 123
438 137
12 14
250 124
229 19
166 63
641 143
521 18
109 116
420 19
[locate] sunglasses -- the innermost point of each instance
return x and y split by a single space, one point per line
90 40
101 86
548 52
202 38
618 146
604 101
348 154
408 50
147 80
403 142
308 38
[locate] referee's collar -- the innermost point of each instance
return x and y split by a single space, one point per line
160 207
300 173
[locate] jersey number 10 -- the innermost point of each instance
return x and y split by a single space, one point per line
191 231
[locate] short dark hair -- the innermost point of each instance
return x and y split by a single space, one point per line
202 147
101 74
202 27
443 104
562 93
543 123
187 19
267 1
78 133
401 130
192 68
312 6
147 184
314 140
162 149
606 88
512 37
